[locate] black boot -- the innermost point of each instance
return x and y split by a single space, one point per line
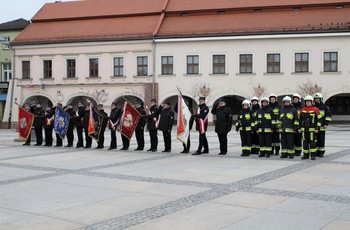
306 156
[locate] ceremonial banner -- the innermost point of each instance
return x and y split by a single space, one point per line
25 123
95 123
129 120
61 122
183 120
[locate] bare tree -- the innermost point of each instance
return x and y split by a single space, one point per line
257 89
201 90
308 88
99 95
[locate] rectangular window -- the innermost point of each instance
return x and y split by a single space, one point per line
273 63
167 65
330 62
71 68
218 64
118 67
142 66
93 67
48 69
192 64
25 69
301 62
6 72
246 63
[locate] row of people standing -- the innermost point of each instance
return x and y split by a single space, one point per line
293 126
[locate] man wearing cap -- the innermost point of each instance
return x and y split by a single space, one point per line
275 134
140 128
255 135
48 125
113 125
201 118
152 124
70 134
223 123
79 114
38 123
101 140
288 124
166 122
297 136
86 119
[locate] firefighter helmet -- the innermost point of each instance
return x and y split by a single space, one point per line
264 99
273 95
287 98
297 95
255 98
308 98
247 102
318 95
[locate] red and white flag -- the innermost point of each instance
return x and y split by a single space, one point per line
129 120
25 123
183 120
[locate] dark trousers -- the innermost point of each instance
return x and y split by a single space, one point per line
80 142
255 143
39 135
101 139
298 144
287 142
126 142
309 144
113 144
88 139
246 141
276 141
58 140
265 142
188 146
48 136
167 140
321 141
70 136
140 138
223 142
153 138
203 142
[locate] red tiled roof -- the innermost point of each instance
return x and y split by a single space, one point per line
87 30
254 22
97 8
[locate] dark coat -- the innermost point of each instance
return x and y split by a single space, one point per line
166 120
113 117
245 120
38 117
265 120
223 119
79 117
142 121
202 113
154 114
48 120
104 123
72 120
288 119
86 118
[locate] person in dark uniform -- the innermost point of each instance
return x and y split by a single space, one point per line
264 124
201 118
125 140
70 130
246 125
166 122
152 124
48 125
38 123
79 114
113 123
186 148
255 135
276 143
223 123
288 125
59 141
297 136
140 128
101 140
324 119
86 119
28 108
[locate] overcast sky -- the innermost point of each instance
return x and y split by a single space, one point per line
15 9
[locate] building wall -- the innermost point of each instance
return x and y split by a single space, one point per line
234 83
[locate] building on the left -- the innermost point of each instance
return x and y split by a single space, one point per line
8 32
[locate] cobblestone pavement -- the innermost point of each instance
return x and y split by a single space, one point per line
69 188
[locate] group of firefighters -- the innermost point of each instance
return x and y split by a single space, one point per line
263 126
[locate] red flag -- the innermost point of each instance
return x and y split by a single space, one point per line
25 122
183 120
129 120
91 124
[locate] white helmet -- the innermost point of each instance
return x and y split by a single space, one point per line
287 98
273 95
308 98
264 99
297 95
247 102
318 95
255 98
